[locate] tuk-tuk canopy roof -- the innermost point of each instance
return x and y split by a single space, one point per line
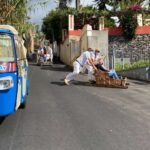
9 27
19 43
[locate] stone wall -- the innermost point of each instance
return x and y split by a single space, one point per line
131 51
134 50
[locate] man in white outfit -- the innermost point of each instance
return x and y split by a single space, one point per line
50 52
81 61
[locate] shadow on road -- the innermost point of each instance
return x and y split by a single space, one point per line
58 83
83 83
33 64
140 82
57 67
80 83
54 67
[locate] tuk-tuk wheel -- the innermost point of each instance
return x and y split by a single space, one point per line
23 105
2 118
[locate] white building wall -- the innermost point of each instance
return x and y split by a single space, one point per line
70 50
96 39
65 52
75 45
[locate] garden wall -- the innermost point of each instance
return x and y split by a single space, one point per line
131 51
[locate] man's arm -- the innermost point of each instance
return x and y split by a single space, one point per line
105 69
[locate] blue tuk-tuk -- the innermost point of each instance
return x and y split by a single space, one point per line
13 71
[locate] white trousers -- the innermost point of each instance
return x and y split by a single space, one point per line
51 57
77 69
90 72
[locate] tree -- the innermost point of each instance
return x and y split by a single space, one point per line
117 4
77 4
63 4
125 4
53 24
101 4
14 12
57 20
129 24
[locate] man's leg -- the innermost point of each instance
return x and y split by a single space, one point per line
83 70
51 58
44 58
76 71
90 73
113 74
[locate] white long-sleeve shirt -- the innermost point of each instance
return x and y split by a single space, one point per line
50 51
83 58
96 56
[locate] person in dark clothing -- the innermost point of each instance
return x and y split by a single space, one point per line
112 73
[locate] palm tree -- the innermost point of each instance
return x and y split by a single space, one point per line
117 4
13 11
101 4
77 4
63 3
125 4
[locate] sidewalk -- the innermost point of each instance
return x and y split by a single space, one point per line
141 74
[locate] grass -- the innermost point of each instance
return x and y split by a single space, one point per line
135 65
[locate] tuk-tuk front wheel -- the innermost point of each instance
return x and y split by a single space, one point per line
23 105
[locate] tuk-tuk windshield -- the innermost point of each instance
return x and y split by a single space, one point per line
6 49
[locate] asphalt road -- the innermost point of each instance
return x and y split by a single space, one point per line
78 117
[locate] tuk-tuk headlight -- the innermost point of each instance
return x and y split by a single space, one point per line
6 83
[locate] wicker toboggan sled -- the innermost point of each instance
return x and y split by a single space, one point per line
103 79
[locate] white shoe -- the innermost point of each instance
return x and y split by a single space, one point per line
66 81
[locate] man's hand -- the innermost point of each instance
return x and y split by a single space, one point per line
92 63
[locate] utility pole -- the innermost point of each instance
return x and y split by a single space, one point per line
62 4
77 4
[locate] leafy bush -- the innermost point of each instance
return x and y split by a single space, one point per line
57 20
128 22
135 65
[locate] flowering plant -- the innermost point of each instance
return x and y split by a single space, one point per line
128 21
135 8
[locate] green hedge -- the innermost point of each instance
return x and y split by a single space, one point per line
135 65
